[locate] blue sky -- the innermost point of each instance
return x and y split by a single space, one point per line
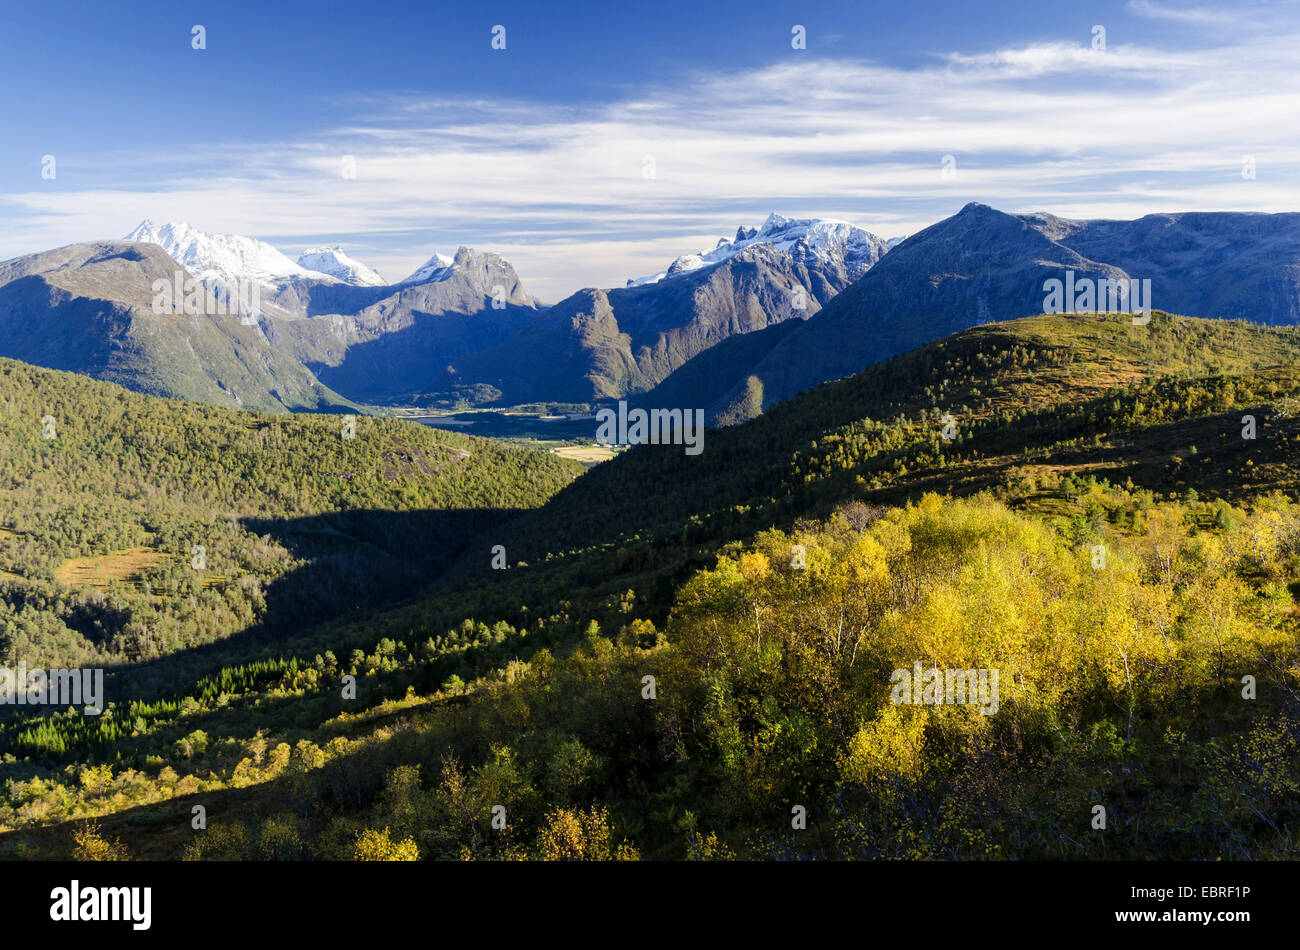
604 140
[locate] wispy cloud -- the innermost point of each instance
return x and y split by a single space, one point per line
1183 14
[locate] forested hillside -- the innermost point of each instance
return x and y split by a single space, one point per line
1076 502
136 527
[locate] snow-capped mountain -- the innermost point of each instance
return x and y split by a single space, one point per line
435 268
333 262
92 308
806 240
602 344
226 263
224 258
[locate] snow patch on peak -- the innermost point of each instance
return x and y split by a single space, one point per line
224 258
684 263
822 239
334 262
436 268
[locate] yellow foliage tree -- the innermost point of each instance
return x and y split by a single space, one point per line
372 845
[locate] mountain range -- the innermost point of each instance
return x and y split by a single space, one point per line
983 265
605 344
310 334
734 329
